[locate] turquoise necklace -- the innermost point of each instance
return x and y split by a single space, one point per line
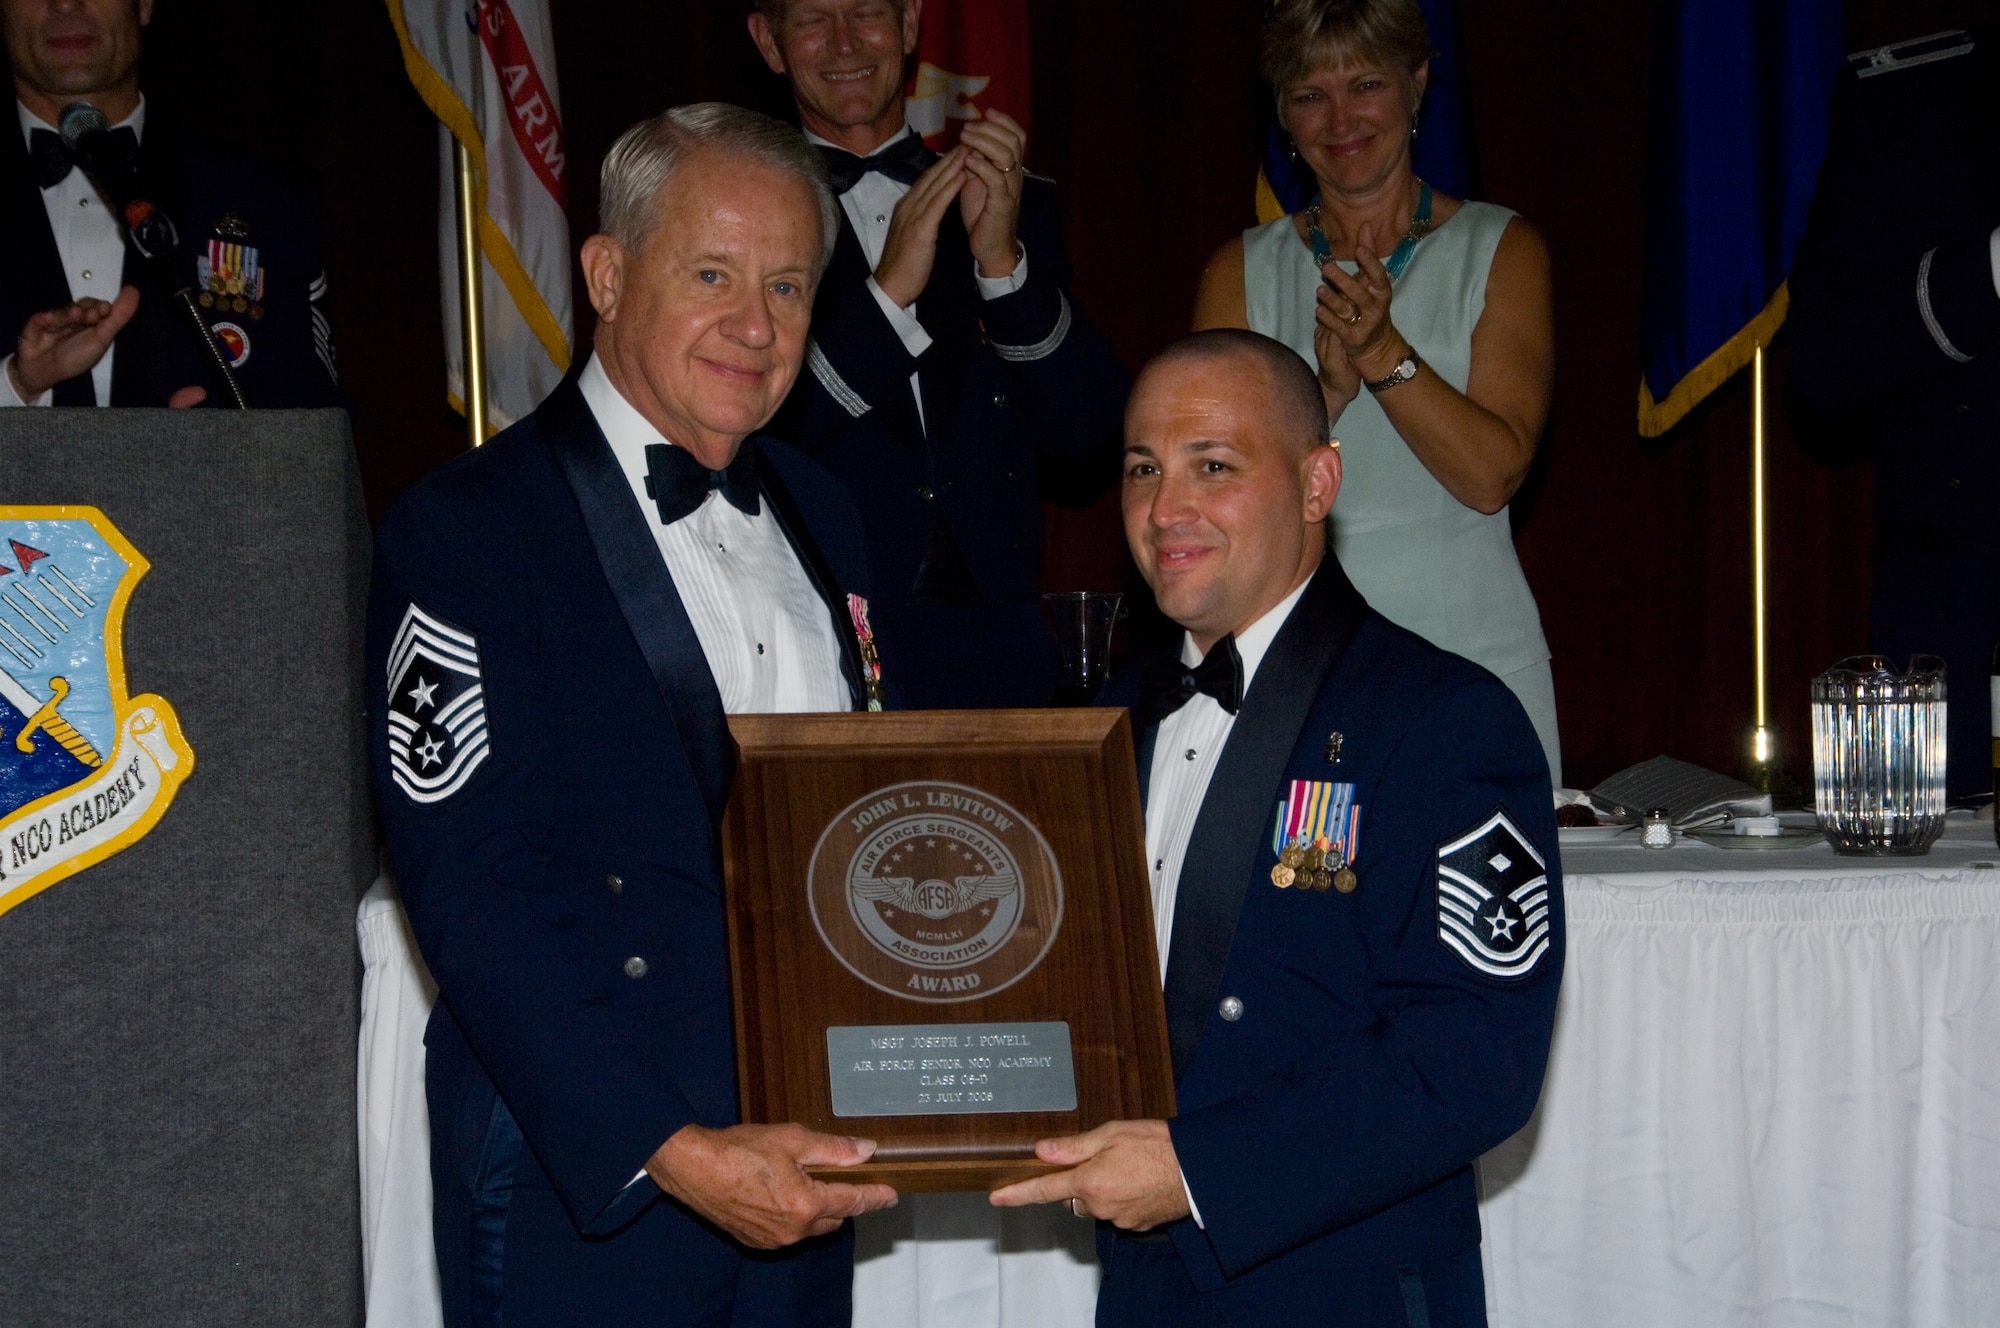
1406 248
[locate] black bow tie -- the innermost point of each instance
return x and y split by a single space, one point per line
1166 684
54 162
902 161
678 483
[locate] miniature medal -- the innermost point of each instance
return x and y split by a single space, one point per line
1315 837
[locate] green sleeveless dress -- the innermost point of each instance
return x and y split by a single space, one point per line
1422 559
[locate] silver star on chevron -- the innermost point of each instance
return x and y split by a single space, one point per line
421 694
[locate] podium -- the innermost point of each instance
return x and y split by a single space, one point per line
177 1138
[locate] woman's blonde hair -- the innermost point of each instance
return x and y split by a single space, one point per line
1302 35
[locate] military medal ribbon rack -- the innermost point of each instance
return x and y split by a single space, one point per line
1316 836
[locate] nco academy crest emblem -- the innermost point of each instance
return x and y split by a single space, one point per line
935 892
85 770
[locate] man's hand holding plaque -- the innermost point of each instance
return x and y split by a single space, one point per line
1122 1172
750 1180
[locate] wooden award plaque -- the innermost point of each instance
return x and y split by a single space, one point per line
941 935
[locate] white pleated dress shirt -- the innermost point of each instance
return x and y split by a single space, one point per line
869 205
768 636
1185 751
91 245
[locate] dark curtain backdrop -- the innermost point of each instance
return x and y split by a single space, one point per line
1636 550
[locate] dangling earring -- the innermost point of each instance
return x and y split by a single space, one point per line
1416 113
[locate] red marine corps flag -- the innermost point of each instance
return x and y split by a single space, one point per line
487 70
971 54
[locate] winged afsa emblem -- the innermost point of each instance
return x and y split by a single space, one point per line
935 899
85 769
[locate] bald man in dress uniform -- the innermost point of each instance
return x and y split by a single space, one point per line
1355 889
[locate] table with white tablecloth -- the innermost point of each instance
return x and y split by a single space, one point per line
1773 1100
1773 1097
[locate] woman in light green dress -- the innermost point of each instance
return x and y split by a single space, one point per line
1429 322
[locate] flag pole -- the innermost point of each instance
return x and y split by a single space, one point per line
1763 744
471 316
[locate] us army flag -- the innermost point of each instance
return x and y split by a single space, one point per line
487 70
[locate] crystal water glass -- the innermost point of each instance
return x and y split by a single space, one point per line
1879 753
1082 620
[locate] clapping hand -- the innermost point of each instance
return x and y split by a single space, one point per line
991 203
1354 309
58 344
1339 380
750 1180
910 248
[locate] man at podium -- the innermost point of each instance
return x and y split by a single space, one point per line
560 622
87 321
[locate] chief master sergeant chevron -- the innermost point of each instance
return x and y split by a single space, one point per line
558 625
1356 893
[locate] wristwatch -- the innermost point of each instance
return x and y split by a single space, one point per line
1405 370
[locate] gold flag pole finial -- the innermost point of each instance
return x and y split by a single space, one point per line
470 299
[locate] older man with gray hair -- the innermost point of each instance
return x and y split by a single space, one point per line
560 622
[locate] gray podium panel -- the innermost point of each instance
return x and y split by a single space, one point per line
177 1022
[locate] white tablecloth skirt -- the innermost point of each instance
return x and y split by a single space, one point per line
1771 1103
398 1259
956 1261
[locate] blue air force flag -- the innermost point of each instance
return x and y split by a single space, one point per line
1493 899
437 707
1738 129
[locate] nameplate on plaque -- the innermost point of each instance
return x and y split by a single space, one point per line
943 1069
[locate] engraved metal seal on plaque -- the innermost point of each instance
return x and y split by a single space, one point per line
935 891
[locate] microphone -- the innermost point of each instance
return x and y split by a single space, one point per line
87 134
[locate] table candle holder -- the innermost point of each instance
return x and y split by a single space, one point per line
1655 831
